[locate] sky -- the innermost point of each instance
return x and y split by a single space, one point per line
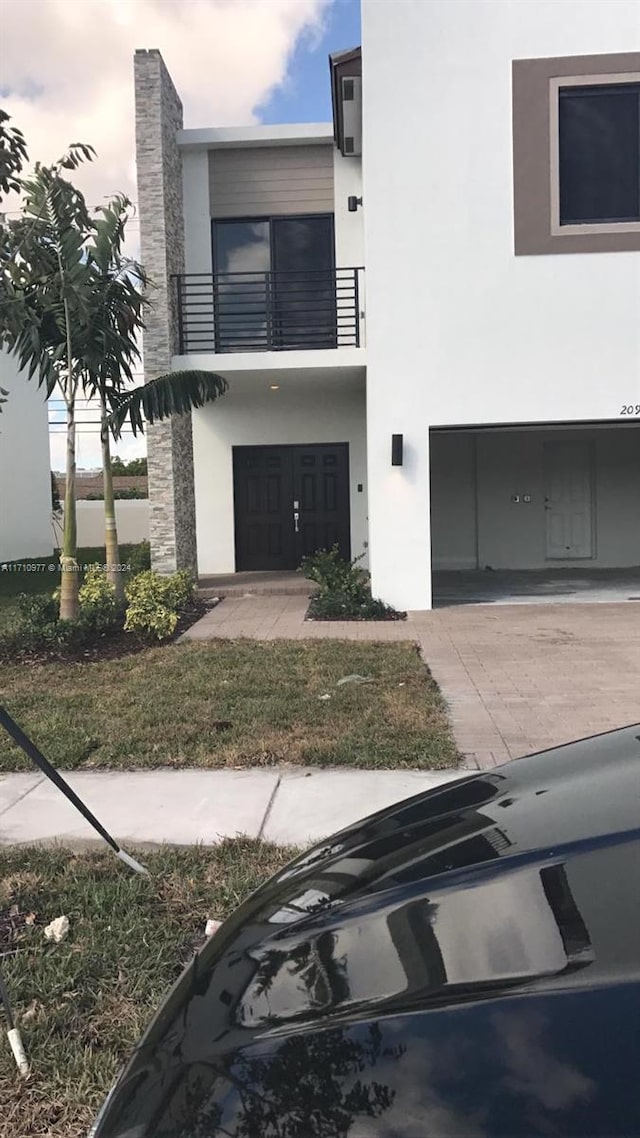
66 75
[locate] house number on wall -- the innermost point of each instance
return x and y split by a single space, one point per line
630 409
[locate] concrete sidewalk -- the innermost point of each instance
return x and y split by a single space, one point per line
184 807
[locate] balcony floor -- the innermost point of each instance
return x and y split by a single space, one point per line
314 365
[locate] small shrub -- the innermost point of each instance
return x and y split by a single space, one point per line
334 574
180 589
11 643
344 589
155 603
99 609
37 610
38 625
140 557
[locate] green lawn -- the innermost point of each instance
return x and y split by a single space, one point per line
232 704
41 575
82 1004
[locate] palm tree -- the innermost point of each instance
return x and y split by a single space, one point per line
44 279
13 154
110 350
71 310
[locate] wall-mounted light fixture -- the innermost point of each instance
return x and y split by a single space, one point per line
353 202
396 450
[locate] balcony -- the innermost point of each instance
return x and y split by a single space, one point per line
268 311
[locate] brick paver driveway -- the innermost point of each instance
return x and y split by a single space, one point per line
521 678
517 678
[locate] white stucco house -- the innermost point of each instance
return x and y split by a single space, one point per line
428 310
25 478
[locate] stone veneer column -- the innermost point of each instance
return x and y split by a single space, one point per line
170 447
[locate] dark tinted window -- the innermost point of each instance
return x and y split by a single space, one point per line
242 258
599 141
241 246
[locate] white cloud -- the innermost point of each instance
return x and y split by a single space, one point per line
67 66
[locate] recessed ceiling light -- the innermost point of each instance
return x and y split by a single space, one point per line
274 386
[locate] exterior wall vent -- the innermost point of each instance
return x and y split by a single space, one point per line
351 93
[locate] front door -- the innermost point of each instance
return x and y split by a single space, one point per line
568 478
289 502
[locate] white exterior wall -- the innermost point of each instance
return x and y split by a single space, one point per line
489 468
132 520
25 478
460 331
254 416
349 227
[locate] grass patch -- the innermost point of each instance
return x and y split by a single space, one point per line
82 1004
232 704
43 576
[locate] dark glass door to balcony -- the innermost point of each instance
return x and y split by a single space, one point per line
274 283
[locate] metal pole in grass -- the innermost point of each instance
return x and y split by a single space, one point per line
32 752
13 1033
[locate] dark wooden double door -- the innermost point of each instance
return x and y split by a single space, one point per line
289 502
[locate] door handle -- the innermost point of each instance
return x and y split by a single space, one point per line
296 519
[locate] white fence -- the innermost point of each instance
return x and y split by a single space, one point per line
132 520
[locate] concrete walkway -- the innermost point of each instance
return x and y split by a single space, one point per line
516 678
292 806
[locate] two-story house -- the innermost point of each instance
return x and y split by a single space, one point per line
428 310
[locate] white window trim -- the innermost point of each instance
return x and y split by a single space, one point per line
558 230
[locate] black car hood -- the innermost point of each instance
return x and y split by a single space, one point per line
463 964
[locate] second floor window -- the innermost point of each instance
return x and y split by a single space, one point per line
576 154
599 154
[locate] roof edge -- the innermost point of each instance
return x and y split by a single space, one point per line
281 134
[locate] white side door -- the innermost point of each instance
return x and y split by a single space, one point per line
568 500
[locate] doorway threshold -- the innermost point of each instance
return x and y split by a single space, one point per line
257 583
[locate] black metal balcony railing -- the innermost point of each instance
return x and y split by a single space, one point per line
268 311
